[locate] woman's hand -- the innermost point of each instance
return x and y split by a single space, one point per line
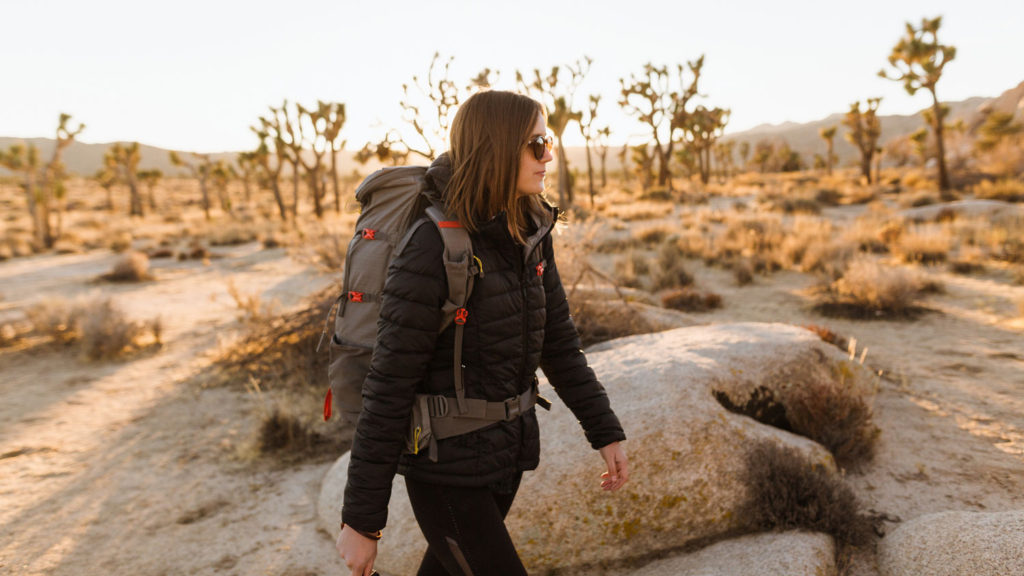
357 551
618 467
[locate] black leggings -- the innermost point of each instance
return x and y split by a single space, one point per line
465 530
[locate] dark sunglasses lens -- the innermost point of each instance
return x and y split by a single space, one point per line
539 146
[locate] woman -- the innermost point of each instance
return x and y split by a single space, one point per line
518 318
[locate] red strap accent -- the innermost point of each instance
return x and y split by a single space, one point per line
327 405
540 269
449 224
460 316
355 296
368 233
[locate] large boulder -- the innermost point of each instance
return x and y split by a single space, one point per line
686 452
955 543
772 554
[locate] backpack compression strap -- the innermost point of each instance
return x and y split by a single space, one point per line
461 268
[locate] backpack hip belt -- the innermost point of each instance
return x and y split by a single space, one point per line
433 419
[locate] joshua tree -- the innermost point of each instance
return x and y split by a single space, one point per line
428 108
333 118
106 177
53 189
701 129
123 160
918 60
829 135
643 163
724 159
602 152
764 150
201 171
557 96
744 153
150 178
221 175
248 167
622 155
271 163
650 99
24 158
587 131
864 128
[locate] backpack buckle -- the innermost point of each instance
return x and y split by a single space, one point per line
512 408
437 406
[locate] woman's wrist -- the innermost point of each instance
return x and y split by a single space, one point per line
370 535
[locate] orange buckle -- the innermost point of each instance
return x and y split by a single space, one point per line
369 233
460 316
355 296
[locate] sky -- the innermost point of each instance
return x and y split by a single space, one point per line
194 75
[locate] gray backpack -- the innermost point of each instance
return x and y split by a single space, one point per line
393 205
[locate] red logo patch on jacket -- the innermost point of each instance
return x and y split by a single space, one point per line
540 269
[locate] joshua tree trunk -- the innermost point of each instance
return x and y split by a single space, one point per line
590 175
564 188
940 146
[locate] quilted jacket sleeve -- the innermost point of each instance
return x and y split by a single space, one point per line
407 333
566 368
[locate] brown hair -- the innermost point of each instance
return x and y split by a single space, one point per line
488 136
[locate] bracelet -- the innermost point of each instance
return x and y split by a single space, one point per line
371 535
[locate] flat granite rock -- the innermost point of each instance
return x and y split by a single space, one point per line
770 554
686 452
955 544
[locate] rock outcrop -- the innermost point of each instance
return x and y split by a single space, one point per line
955 543
772 554
686 452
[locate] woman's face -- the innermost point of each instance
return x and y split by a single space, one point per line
531 170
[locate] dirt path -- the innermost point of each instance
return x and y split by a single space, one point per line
128 468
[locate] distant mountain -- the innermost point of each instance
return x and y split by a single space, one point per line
86 159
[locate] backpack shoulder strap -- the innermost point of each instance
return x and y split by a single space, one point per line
460 268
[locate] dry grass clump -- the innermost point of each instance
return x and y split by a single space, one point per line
785 491
874 232
670 270
630 268
969 260
743 272
598 320
130 267
926 244
652 235
231 234
632 211
826 401
1007 190
97 326
828 335
690 300
868 290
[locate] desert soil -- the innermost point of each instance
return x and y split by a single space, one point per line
131 467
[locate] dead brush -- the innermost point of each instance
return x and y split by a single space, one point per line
670 270
630 268
1007 190
130 267
97 326
786 491
690 300
251 307
868 290
926 244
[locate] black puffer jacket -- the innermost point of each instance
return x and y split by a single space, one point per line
518 319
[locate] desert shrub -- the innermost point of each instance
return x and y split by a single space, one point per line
861 195
194 251
56 318
231 234
743 272
828 196
8 335
968 261
1017 276
600 320
925 244
637 211
785 491
1007 190
873 232
106 332
658 194
652 235
630 268
670 271
690 300
869 290
120 241
835 415
280 431
130 267
918 199
251 307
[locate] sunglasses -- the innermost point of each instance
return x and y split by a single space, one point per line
540 145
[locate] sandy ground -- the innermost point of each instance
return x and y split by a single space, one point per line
131 468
